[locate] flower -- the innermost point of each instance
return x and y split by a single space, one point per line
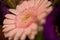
22 22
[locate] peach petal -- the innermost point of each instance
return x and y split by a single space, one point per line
4 26
27 31
41 1
30 3
32 35
37 3
33 26
7 21
49 9
14 11
42 10
10 38
23 36
22 6
44 3
18 34
10 16
11 33
43 15
48 4
42 6
9 28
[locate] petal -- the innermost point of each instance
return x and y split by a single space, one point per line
34 26
30 3
4 26
41 11
8 21
48 4
32 35
48 10
23 37
22 6
10 16
42 16
10 38
18 34
10 33
44 7
27 31
43 3
14 11
8 28
37 2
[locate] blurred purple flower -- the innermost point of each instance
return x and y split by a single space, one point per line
49 27
3 10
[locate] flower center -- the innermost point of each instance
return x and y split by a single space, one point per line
26 17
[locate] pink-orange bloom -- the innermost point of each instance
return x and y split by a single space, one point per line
22 22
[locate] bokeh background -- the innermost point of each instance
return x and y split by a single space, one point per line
5 4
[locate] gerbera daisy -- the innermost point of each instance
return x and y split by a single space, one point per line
22 22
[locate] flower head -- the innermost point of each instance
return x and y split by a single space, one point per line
22 22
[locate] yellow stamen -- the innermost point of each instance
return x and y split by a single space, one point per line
26 17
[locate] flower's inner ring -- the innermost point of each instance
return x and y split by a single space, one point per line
25 19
